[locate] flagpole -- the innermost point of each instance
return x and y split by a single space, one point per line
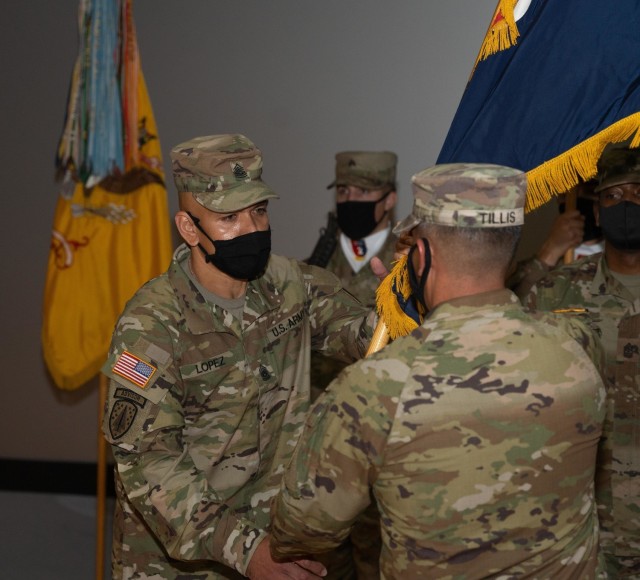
101 490
570 203
380 338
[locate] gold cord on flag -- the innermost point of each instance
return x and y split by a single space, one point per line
577 164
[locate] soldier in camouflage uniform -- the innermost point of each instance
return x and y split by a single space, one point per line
608 286
209 378
478 432
365 184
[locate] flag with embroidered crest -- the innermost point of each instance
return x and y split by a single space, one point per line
554 82
111 228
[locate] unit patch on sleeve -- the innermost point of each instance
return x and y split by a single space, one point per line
124 411
134 369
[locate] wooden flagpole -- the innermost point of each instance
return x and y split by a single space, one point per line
570 203
101 490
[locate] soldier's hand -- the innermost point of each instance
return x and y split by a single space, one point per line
263 567
566 233
378 268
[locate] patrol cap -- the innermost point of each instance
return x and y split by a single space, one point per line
469 195
365 169
618 165
222 172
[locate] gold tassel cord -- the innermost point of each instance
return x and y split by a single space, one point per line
563 172
396 282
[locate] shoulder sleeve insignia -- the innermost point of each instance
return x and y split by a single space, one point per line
121 418
134 369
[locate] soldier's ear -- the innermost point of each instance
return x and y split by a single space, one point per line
186 228
424 255
390 201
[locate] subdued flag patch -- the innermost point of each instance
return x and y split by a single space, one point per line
134 369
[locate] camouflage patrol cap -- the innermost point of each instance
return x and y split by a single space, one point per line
618 165
223 172
468 195
365 169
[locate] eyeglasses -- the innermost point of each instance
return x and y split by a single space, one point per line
615 194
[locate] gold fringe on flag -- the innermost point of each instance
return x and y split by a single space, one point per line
503 32
579 163
396 282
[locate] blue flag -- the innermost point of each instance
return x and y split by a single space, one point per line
554 83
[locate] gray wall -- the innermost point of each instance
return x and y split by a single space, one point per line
302 79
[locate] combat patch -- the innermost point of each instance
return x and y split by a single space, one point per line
134 369
124 411
286 325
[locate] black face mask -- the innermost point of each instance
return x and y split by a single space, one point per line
243 257
357 219
417 286
620 225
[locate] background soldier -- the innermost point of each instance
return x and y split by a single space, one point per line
209 374
365 185
608 286
478 432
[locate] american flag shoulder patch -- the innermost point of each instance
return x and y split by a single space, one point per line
134 369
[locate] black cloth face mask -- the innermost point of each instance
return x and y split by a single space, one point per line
620 224
417 285
244 257
357 219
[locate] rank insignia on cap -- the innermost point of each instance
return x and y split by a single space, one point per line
134 369
239 172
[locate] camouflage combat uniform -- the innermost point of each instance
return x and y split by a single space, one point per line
525 275
368 170
588 283
204 420
365 538
363 286
478 435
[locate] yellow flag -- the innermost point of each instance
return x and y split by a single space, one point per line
106 242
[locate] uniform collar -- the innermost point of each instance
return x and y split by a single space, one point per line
200 317
500 298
